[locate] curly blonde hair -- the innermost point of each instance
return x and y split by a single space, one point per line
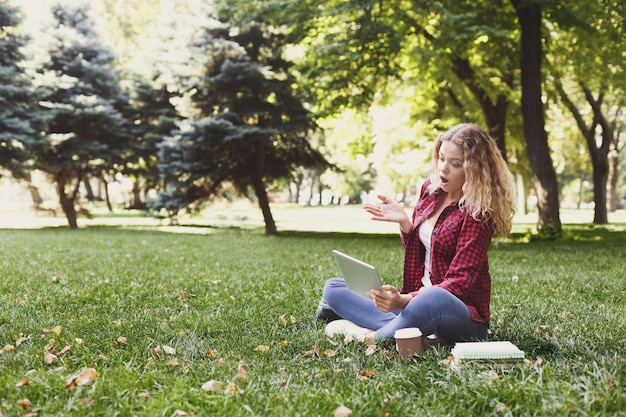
489 188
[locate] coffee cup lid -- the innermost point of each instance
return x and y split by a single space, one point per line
407 333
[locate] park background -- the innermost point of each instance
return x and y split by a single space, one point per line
212 154
167 108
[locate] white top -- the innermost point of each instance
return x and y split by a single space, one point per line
425 235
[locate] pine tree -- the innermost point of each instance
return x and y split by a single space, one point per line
249 127
17 117
86 109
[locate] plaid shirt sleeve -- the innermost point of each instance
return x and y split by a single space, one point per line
460 262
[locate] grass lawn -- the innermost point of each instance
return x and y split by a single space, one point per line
157 315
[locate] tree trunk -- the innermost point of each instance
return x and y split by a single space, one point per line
611 184
264 204
107 197
494 113
522 209
89 190
543 174
67 203
600 179
259 189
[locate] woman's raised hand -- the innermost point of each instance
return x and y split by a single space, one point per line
389 211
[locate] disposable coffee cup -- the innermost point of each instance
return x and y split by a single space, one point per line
408 342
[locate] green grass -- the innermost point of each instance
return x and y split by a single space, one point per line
217 298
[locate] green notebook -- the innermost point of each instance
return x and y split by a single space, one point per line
497 351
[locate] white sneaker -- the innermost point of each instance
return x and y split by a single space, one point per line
346 328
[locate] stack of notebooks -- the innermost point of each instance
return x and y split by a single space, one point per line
501 352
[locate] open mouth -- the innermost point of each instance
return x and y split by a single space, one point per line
443 180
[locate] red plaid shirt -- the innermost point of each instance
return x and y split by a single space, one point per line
459 261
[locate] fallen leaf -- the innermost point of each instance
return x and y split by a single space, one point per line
212 353
181 413
24 403
370 350
172 362
329 353
262 348
342 411
365 375
231 389
8 348
49 357
332 342
65 349
241 372
169 350
212 385
58 330
24 382
79 341
144 394
122 341
19 340
83 377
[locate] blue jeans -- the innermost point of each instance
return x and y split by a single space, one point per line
434 311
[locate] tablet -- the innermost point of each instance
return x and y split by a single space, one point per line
360 276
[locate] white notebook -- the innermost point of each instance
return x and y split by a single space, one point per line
504 350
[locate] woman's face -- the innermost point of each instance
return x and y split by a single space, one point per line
450 166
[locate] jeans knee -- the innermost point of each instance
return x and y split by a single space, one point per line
331 286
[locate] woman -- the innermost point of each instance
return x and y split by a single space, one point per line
446 283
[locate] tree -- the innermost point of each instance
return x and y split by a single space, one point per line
588 75
353 50
248 128
83 103
544 176
17 98
459 56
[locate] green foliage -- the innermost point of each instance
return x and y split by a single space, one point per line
84 107
17 124
248 128
219 298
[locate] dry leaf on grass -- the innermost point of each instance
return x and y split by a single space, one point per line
262 348
241 372
342 411
83 377
169 350
65 349
232 389
24 403
49 357
24 382
181 413
212 386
